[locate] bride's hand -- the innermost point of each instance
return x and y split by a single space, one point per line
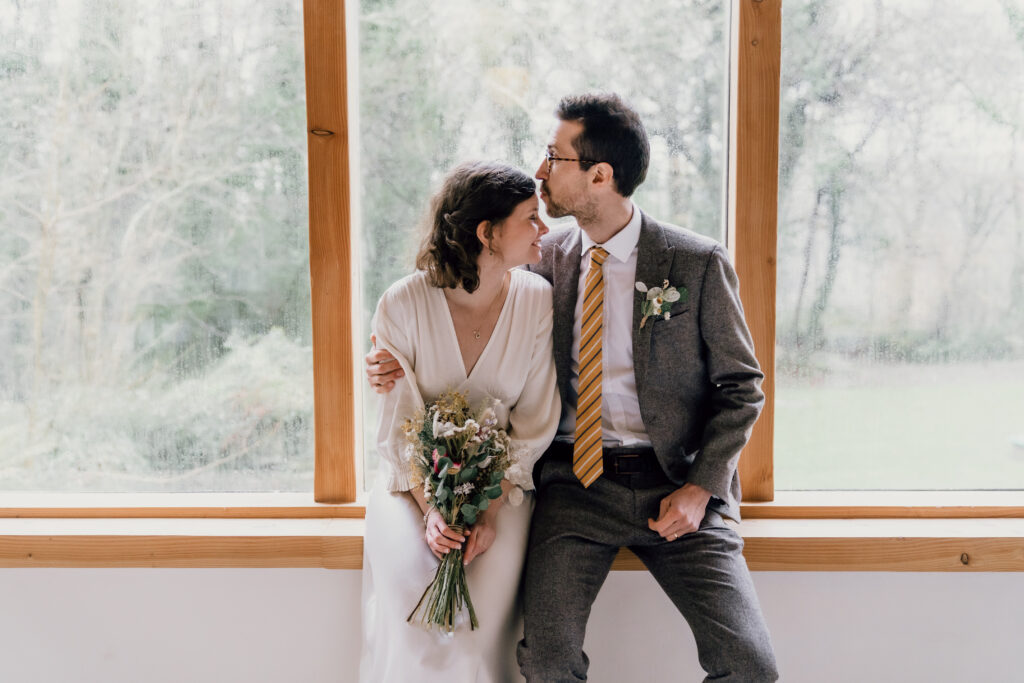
441 539
481 537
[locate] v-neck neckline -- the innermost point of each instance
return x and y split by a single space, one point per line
467 374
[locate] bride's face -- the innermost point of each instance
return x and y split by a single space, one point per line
517 238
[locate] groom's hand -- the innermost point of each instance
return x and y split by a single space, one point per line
681 512
381 369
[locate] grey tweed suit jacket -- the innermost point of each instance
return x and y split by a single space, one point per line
698 381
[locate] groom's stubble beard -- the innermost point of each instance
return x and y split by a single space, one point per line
584 211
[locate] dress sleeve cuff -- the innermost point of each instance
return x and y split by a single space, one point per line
398 481
520 476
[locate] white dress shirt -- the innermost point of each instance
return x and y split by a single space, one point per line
621 423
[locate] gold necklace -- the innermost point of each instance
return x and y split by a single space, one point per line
476 332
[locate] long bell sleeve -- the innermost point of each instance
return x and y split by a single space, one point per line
533 420
404 399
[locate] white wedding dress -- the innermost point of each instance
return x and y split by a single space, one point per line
516 368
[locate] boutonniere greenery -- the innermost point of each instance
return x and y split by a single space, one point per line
659 300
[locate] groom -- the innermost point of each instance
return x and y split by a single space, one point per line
655 410
658 399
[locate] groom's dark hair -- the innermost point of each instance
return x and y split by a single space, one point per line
472 192
612 133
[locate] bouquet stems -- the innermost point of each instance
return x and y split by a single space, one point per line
446 595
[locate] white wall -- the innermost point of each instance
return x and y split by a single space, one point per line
271 625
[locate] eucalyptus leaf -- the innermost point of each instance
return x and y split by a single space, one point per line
469 513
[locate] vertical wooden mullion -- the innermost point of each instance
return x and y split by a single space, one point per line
753 224
330 253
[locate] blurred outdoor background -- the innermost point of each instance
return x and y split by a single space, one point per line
154 287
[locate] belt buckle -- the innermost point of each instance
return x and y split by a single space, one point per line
628 463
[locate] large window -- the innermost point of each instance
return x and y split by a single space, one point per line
155 266
900 329
441 83
154 270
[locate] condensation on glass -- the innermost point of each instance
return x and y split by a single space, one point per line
439 83
901 246
154 286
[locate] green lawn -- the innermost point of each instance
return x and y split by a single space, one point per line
902 427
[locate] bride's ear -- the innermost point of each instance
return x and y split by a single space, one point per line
485 234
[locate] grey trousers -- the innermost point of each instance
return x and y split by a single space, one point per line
574 537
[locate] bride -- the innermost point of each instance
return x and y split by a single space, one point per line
469 319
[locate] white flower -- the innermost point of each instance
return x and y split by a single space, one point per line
488 418
437 425
464 489
659 300
445 430
515 496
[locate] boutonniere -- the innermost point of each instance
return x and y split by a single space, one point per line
659 300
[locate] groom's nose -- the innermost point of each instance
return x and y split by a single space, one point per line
542 170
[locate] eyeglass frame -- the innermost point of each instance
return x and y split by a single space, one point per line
549 158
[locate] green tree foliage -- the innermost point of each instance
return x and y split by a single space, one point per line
900 221
153 261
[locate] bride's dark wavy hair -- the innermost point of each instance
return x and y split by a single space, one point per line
471 193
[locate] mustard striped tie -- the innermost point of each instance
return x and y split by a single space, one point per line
586 457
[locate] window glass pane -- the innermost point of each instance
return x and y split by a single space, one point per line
901 246
440 83
153 258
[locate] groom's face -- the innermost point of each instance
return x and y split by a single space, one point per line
563 185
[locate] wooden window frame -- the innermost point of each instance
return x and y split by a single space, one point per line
751 236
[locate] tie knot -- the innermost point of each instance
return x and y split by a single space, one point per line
598 255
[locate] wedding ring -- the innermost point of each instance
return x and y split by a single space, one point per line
673 537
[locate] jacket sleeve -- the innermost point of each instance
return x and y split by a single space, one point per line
736 396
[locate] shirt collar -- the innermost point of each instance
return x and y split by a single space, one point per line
620 246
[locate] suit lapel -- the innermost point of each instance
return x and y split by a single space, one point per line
566 277
653 264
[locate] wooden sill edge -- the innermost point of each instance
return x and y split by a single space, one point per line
917 545
787 505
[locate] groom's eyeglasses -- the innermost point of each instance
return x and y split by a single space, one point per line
548 156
